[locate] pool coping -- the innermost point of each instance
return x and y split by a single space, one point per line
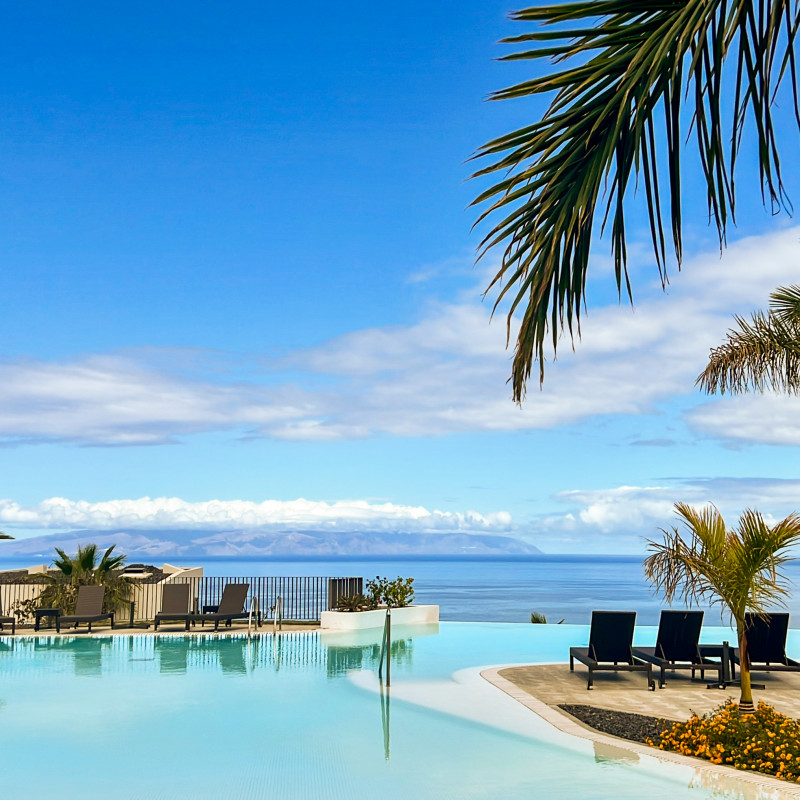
567 724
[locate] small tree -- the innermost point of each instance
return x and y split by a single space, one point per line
737 568
83 569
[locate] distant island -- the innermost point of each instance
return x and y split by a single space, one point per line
252 543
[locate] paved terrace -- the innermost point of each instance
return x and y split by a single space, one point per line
627 691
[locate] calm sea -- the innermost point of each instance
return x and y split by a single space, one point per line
497 589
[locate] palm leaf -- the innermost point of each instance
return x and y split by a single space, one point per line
629 68
763 353
737 568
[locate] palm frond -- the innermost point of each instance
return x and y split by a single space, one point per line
108 563
63 562
737 568
629 69
692 570
761 354
784 303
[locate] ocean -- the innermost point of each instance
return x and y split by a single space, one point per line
493 589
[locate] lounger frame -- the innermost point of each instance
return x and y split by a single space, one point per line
88 608
231 607
766 644
609 650
174 605
677 646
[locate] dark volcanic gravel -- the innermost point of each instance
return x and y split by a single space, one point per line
636 727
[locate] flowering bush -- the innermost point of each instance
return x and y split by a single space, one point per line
396 594
766 741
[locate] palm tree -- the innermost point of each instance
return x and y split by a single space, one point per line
763 353
736 568
633 71
84 569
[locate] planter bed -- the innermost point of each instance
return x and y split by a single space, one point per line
360 620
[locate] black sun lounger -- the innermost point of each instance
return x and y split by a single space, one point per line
677 646
88 608
174 604
231 606
766 644
610 640
8 621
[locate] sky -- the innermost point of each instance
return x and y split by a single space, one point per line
240 290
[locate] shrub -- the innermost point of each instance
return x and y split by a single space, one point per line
83 569
352 602
537 618
24 610
395 594
766 741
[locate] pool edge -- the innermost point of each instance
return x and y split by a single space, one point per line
568 725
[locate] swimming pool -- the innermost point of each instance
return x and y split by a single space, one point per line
296 716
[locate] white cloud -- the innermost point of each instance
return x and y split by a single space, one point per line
171 512
621 518
445 374
767 418
118 400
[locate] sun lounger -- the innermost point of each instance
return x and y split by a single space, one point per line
174 604
677 646
766 644
231 606
8 621
88 608
610 640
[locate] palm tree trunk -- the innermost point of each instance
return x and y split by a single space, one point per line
746 699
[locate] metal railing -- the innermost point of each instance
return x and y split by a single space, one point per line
386 649
302 599
386 653
277 615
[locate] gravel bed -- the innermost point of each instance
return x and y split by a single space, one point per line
636 727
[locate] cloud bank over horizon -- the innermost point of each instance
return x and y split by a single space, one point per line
442 375
171 512
607 520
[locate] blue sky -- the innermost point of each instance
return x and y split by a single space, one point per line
239 290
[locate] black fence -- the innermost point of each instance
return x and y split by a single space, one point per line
294 599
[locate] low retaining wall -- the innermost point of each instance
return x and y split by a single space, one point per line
360 620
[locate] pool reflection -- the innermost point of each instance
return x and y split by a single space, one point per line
233 656
349 650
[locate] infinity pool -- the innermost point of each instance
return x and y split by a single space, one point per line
298 715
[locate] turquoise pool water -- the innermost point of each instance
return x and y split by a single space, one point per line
297 716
